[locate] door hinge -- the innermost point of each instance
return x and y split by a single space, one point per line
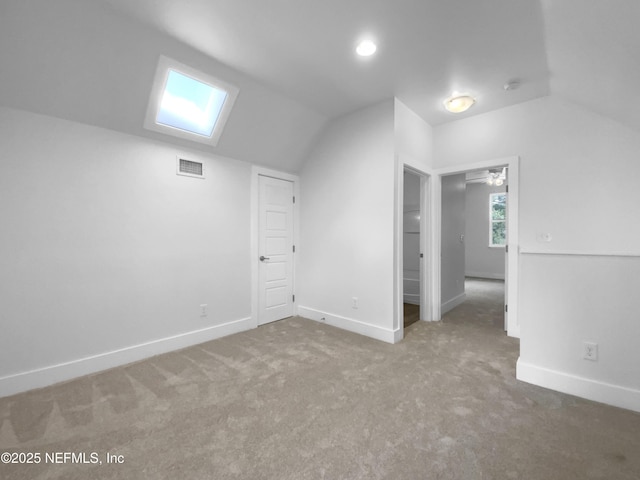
294 199
506 249
506 308
294 249
507 188
294 298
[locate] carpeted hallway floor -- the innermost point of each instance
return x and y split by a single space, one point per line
301 400
484 304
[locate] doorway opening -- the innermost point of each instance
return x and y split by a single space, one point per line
414 246
474 233
479 238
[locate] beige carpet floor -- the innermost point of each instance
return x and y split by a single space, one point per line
301 400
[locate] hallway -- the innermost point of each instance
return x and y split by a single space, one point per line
484 305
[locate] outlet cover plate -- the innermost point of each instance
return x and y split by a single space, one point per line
590 351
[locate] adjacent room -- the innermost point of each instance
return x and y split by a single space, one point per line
246 239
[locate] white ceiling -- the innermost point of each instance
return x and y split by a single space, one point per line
593 47
81 61
93 62
426 48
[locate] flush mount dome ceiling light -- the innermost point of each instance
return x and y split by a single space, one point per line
366 48
459 103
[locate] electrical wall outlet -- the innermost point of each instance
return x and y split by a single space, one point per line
203 310
590 351
354 302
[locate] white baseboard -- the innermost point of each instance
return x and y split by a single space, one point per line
43 377
453 303
355 326
492 276
579 386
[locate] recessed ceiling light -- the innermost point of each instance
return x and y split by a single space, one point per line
366 48
459 103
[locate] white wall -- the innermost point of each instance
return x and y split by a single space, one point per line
413 146
452 245
413 138
481 260
578 183
347 224
106 254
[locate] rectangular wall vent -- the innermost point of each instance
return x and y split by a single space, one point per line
190 168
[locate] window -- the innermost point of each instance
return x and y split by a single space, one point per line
497 219
188 104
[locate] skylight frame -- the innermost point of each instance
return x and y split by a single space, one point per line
165 65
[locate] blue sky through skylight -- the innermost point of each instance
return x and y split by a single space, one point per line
190 105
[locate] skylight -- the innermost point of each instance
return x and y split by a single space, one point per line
188 104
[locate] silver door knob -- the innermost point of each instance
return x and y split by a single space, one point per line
263 258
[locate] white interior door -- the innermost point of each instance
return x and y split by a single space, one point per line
275 249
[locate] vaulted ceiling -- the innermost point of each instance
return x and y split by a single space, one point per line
593 50
294 61
426 48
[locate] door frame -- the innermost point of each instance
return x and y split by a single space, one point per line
511 274
256 172
426 245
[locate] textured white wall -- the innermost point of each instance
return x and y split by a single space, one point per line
481 260
578 183
413 137
570 299
104 247
347 222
